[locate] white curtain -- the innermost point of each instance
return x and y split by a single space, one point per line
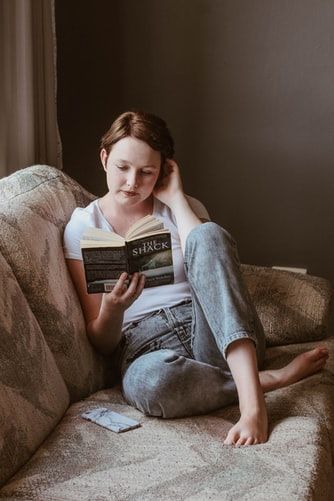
28 112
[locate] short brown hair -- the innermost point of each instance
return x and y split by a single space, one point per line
144 126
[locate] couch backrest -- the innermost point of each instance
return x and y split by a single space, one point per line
35 205
33 395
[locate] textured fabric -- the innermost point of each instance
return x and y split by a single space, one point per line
185 459
292 307
33 395
181 459
35 205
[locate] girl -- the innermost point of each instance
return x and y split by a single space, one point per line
192 346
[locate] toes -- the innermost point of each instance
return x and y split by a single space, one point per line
246 441
320 352
250 441
320 362
232 437
241 441
229 441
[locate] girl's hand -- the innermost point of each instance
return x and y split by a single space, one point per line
170 186
122 297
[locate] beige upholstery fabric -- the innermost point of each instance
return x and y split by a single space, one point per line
292 307
181 459
185 459
35 205
33 395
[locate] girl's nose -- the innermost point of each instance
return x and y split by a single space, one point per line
132 180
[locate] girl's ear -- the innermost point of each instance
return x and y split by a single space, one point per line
104 158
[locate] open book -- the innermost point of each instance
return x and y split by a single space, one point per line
146 248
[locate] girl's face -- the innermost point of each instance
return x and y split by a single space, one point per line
132 169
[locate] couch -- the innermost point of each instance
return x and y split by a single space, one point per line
50 374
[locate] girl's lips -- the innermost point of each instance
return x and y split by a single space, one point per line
129 193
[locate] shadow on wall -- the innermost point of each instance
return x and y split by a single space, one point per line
247 93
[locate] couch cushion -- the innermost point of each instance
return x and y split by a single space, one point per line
185 459
36 203
292 307
33 395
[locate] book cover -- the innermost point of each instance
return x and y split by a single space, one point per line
106 255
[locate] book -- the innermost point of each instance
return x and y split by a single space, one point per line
146 248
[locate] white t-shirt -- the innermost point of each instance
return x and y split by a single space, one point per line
152 298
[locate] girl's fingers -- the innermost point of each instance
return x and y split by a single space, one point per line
128 293
133 285
141 285
136 286
172 163
120 284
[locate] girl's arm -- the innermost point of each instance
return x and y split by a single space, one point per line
171 193
104 312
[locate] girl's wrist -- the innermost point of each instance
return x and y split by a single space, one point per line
178 202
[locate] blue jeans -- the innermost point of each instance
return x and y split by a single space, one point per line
173 362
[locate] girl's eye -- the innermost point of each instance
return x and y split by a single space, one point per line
122 167
146 173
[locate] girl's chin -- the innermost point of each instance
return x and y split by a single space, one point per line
131 199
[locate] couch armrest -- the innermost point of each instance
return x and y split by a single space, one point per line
293 307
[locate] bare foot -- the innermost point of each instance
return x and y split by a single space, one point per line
302 365
251 429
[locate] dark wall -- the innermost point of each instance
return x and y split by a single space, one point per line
247 90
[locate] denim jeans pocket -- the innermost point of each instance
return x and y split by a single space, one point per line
143 336
178 340
156 332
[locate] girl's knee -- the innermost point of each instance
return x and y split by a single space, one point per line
148 383
211 234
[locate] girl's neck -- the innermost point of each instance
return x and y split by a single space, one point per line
114 212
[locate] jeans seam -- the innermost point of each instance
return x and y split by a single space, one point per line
231 337
179 330
175 327
217 329
189 274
